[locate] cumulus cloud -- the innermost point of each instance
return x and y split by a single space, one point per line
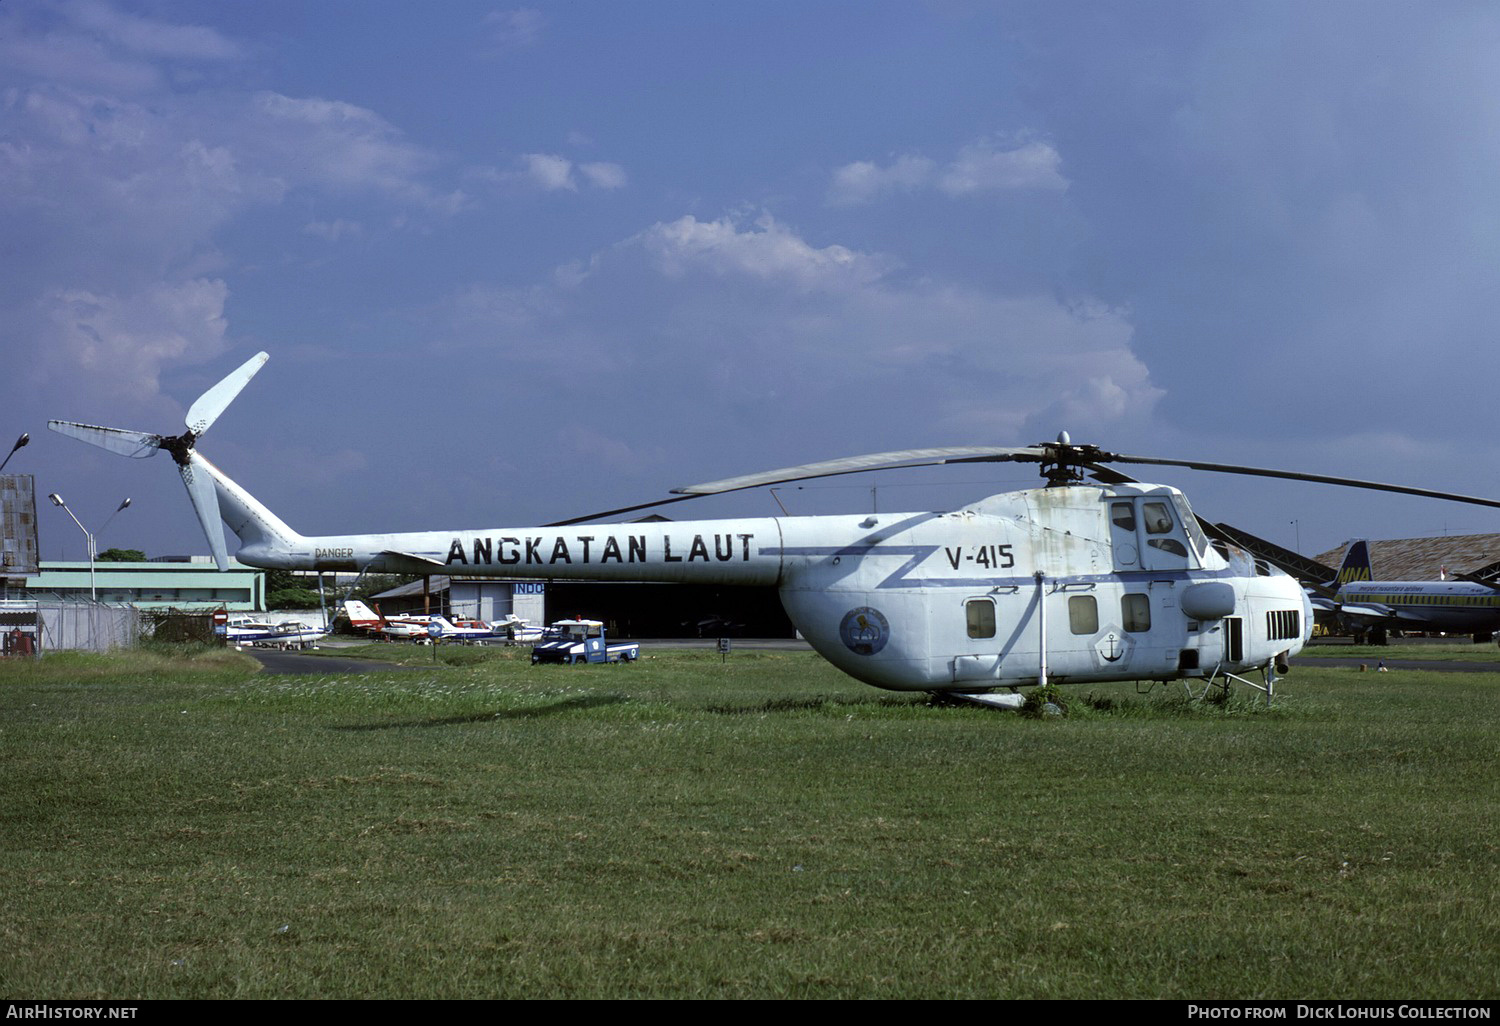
148 36
92 45
120 199
514 29
864 181
603 175
728 323
338 145
1301 197
552 172
119 342
333 231
207 148
767 251
111 194
982 166
549 171
118 173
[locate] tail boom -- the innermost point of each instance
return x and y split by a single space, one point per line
265 539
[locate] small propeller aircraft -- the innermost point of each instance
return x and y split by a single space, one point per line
246 630
404 627
1070 582
424 626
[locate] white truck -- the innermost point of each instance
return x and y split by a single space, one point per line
581 641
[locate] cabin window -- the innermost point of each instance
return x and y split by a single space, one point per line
1083 614
1158 520
1170 545
1135 610
1122 515
980 614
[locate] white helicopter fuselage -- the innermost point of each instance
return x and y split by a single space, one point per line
1059 584
1071 582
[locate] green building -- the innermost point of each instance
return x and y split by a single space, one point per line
151 585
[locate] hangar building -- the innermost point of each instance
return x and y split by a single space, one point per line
628 610
1424 559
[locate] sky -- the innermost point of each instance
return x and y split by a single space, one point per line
515 264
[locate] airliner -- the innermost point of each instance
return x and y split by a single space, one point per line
1460 607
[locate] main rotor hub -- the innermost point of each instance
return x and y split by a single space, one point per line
1063 463
180 446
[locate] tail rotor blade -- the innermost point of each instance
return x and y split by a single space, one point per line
118 440
210 404
205 498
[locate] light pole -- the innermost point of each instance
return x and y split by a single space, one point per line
116 513
20 443
57 500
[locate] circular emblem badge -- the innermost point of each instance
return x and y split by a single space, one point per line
865 630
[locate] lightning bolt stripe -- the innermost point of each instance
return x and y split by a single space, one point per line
917 553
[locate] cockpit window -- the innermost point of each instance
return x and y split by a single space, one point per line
1171 545
1122 515
1158 520
1195 534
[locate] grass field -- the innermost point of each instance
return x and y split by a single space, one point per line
179 826
1450 651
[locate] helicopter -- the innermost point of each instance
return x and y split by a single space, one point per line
1077 581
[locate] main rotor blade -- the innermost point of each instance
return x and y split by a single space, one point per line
1108 475
830 468
1292 475
859 464
202 414
205 499
623 509
118 440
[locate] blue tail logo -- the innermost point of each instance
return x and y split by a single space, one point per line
1356 565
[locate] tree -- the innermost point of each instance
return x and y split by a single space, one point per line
292 598
374 584
121 556
287 590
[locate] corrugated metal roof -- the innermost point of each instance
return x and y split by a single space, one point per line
1422 559
437 584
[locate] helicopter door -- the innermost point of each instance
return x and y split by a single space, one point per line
1122 532
1145 535
982 661
1164 543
